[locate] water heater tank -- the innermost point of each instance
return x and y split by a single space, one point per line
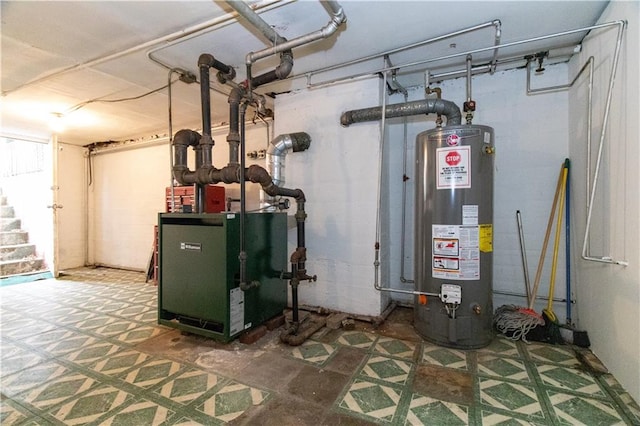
454 235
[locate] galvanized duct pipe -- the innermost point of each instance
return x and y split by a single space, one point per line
281 44
276 153
425 106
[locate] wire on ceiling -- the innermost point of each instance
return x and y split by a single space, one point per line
132 98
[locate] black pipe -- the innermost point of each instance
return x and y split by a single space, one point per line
243 201
279 73
233 138
209 61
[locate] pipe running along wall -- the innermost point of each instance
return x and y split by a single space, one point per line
425 106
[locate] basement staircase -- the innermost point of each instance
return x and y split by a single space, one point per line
17 256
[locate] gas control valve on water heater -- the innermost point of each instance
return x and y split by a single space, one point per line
453 240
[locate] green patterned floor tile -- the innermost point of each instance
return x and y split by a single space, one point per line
11 415
232 400
115 327
51 338
518 398
498 366
92 353
540 352
188 386
25 327
576 410
95 321
501 346
314 352
120 362
72 317
490 418
357 339
57 390
395 347
152 373
150 317
32 376
444 357
133 311
371 400
75 342
112 306
140 334
424 411
17 360
92 405
140 413
569 378
387 369
185 421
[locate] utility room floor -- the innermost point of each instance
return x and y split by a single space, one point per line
86 349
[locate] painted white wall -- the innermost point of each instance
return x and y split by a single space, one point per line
72 196
531 144
128 191
339 175
609 295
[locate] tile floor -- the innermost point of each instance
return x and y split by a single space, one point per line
86 349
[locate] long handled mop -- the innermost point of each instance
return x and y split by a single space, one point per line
517 322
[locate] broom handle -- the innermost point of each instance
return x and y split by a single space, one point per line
556 244
536 282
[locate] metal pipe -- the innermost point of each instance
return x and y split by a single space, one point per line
495 23
177 35
172 194
509 293
468 60
468 52
376 262
603 133
425 106
275 156
280 43
523 252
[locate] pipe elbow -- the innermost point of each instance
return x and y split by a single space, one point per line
206 59
186 137
286 65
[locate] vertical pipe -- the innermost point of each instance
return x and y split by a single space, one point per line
243 199
468 78
567 242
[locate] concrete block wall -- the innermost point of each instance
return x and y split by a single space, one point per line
339 174
531 135
128 192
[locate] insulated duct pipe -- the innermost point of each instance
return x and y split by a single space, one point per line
425 106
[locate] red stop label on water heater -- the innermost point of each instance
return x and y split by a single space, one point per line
452 158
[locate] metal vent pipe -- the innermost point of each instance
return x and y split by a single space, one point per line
276 153
281 44
425 106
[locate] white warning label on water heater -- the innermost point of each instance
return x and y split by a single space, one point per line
453 166
455 252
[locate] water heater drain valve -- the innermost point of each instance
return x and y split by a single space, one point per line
451 294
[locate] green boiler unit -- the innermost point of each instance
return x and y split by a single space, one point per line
199 272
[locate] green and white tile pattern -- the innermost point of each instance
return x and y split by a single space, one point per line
76 351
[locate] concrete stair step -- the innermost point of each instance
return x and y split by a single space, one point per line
20 266
17 251
14 237
10 224
7 212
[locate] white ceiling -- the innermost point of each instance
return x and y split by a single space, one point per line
60 54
